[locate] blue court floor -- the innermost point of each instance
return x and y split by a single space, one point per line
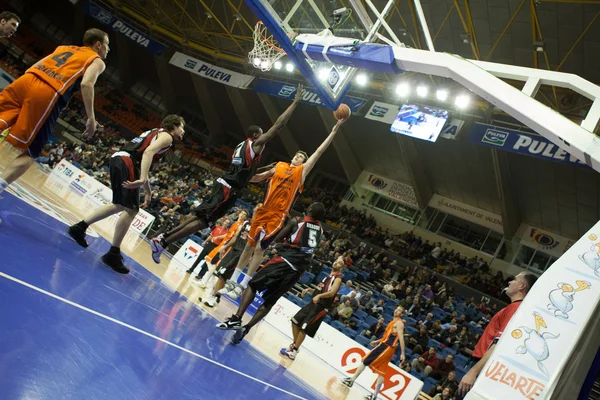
71 328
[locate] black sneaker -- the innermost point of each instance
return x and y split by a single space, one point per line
233 322
115 261
348 382
78 235
239 335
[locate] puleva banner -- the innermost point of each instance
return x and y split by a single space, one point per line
209 71
533 358
519 142
287 91
107 18
386 113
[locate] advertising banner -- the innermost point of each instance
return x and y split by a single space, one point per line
106 18
386 187
545 241
465 211
287 91
188 253
209 71
520 143
551 327
345 355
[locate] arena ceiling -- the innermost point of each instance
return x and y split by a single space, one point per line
561 198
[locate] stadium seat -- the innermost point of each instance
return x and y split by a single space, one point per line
460 373
296 300
362 340
371 320
411 321
460 360
362 325
327 319
418 375
361 315
306 278
351 333
410 330
433 343
349 276
321 276
428 384
445 351
338 325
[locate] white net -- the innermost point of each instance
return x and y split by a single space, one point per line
266 50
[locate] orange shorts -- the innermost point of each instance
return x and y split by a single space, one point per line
379 358
266 224
30 108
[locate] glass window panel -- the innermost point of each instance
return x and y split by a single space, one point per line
540 261
524 256
437 221
426 217
464 232
492 242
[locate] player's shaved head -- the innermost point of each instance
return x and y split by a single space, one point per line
316 211
93 35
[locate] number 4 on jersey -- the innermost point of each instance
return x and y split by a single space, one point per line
62 58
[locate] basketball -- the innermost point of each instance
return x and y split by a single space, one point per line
343 112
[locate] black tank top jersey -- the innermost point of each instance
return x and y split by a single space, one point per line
324 287
242 238
138 145
243 165
302 243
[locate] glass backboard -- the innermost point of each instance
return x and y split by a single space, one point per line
286 19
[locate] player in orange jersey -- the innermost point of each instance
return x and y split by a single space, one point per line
285 182
383 352
9 22
30 105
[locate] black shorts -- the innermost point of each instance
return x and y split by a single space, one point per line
228 264
276 277
122 169
217 204
309 318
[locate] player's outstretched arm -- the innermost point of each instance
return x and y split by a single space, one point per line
312 160
287 230
263 176
163 140
259 143
87 93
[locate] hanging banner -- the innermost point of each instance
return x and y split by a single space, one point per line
548 242
386 187
287 91
520 142
209 71
106 18
536 347
467 212
386 113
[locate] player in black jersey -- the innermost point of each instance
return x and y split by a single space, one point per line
309 318
227 189
129 170
280 274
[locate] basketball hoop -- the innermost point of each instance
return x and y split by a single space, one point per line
266 50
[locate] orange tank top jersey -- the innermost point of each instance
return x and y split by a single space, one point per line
389 337
224 241
64 68
283 187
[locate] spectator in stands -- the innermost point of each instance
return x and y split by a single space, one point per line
347 288
376 330
443 368
427 306
414 309
9 22
357 292
428 293
428 321
435 329
367 302
333 310
344 311
377 308
418 341
447 382
388 290
445 395
352 300
428 358
407 302
517 290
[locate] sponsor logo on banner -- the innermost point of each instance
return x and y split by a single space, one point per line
550 327
452 128
107 18
465 211
521 143
279 89
345 355
543 240
209 71
333 78
188 253
378 111
494 137
386 187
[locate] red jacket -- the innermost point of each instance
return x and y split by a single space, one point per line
431 360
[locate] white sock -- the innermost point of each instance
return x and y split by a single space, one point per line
3 185
246 280
236 275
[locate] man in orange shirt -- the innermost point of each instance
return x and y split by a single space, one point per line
517 290
285 182
30 105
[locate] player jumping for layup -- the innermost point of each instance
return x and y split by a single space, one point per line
130 170
281 273
31 104
285 182
381 355
227 189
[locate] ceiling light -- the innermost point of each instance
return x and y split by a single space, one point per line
539 46
462 101
277 65
464 37
289 67
402 90
422 91
361 79
442 95
323 73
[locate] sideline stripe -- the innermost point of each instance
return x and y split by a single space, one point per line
133 328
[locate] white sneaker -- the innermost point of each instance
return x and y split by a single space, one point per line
291 354
211 301
157 248
229 285
236 292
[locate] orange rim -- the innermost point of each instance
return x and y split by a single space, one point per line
266 40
